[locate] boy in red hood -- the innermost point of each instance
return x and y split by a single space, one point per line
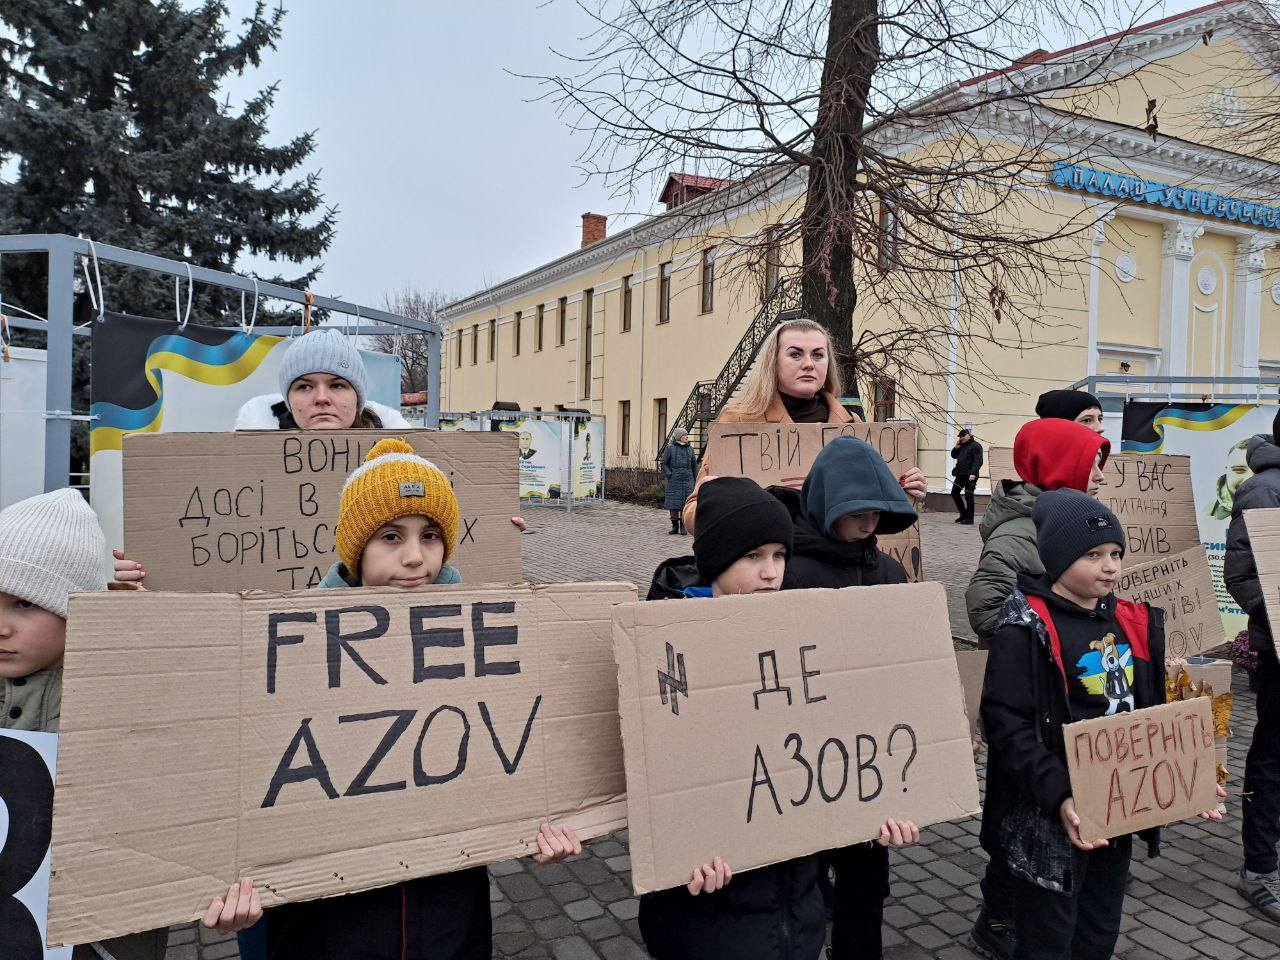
1048 454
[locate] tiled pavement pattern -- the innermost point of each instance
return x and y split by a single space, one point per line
1182 906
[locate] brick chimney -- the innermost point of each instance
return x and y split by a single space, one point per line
593 228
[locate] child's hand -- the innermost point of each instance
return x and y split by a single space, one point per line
898 833
240 909
128 571
914 484
520 524
556 843
1215 813
710 877
1071 820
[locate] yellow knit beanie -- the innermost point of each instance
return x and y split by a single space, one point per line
393 482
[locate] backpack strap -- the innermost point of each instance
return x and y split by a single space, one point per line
1041 609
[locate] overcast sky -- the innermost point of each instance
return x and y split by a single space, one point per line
446 174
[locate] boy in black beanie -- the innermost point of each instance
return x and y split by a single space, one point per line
742 544
1066 650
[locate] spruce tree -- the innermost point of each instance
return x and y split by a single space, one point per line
114 125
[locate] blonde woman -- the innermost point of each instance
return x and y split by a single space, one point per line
794 381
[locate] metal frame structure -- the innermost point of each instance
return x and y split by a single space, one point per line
1142 387
59 327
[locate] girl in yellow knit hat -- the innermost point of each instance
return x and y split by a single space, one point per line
397 527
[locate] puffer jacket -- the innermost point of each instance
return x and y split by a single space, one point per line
1240 572
445 917
770 913
1025 703
1009 548
678 463
968 458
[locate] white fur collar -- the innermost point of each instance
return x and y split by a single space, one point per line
256 414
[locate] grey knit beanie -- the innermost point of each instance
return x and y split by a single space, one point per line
1068 525
324 350
50 547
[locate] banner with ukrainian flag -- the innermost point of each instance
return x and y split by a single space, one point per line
1216 437
151 376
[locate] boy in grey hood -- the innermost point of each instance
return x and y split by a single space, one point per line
1259 880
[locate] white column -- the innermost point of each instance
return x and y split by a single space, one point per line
1099 238
1175 294
1246 326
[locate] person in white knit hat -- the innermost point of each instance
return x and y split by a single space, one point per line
50 547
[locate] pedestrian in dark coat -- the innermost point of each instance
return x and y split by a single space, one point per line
679 464
849 497
1260 827
773 912
967 453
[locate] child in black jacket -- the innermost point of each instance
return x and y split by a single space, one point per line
774 912
849 497
1066 649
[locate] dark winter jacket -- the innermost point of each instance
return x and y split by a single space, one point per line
770 913
818 561
1024 696
1240 572
445 917
678 465
968 458
1009 549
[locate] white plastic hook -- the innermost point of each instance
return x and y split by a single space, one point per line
181 317
253 319
98 300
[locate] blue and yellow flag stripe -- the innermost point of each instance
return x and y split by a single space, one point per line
1216 417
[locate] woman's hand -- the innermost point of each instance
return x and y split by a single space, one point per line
914 484
710 877
128 571
556 843
520 524
240 909
1215 813
898 833
1071 821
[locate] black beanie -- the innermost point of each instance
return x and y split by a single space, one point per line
735 515
1064 404
1068 525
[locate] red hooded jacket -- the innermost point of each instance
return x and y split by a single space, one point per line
1058 453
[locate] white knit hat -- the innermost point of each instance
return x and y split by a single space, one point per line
50 547
324 350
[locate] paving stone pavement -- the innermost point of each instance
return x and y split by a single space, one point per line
1182 906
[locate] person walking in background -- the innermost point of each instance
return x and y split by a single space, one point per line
967 453
1260 829
678 462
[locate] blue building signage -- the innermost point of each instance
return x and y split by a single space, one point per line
1073 176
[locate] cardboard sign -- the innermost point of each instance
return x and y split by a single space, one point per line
1150 494
1182 586
780 454
27 764
256 510
754 741
323 742
1131 771
1264 537
972 665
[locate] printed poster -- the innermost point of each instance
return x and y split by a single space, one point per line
149 376
588 458
1215 436
542 457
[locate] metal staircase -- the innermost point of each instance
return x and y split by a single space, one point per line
708 397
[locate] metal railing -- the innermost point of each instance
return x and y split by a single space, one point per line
1139 386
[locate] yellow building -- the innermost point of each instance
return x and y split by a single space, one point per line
1177 279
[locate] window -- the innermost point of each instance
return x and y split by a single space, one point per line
660 422
537 326
475 344
708 280
772 260
626 304
887 235
515 335
493 339
458 362
587 309
883 400
624 435
664 292
561 321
